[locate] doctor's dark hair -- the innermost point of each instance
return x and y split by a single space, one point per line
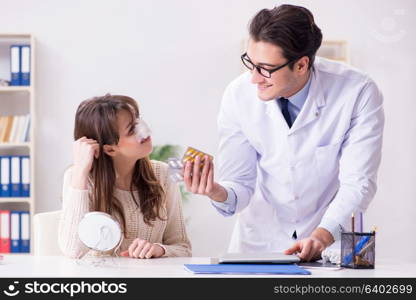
290 27
96 118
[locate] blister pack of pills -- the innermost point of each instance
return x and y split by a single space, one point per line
176 165
175 168
192 153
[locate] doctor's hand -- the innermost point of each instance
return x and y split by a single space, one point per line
311 248
202 182
143 249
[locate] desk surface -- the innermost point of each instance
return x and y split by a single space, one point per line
20 265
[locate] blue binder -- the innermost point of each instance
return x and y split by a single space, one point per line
24 231
25 65
15 64
15 178
25 176
5 176
251 269
15 232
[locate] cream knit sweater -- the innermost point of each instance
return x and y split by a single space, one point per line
169 233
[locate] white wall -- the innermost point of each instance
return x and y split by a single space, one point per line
176 57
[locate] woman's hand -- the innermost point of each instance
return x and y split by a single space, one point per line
84 151
143 249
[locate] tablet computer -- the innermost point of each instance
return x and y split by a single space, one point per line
319 265
258 258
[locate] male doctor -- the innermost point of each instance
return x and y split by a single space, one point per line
300 141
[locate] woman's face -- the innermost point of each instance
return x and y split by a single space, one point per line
130 145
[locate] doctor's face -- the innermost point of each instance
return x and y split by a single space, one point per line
283 82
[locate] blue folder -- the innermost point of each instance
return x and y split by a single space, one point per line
5 176
24 231
25 65
15 65
250 269
15 178
15 231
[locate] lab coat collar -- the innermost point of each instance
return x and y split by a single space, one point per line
311 110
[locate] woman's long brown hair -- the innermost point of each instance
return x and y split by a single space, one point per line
96 119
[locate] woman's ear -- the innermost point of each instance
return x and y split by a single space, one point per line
110 150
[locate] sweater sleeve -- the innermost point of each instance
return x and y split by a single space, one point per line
75 205
175 239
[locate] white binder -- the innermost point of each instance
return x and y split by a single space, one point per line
25 80
25 169
15 176
14 231
5 176
25 233
15 65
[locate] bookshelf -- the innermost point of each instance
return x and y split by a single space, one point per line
19 100
5 89
335 50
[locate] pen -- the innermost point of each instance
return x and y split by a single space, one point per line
350 256
370 243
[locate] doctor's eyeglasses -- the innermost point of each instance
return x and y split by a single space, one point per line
262 71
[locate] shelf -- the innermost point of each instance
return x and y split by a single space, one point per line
18 253
16 199
15 35
12 89
14 145
14 101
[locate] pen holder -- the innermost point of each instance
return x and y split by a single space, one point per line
358 250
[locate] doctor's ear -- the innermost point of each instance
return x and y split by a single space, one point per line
110 150
302 64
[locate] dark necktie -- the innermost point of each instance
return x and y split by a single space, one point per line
285 111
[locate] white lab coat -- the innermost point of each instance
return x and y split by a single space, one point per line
314 174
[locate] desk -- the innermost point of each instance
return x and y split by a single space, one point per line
21 265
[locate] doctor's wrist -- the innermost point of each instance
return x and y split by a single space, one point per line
218 193
323 235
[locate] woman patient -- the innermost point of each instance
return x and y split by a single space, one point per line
112 173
